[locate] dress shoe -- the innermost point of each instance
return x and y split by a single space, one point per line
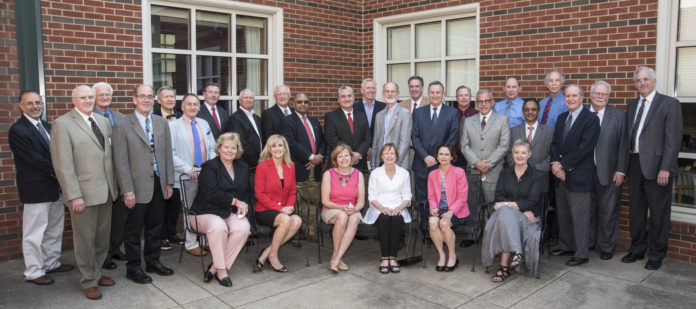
159 269
61 268
343 267
109 264
559 252
576 261
165 245
175 240
43 280
440 268
207 275
466 243
630 258
105 281
361 237
606 255
138 276
224 281
119 256
591 248
196 252
93 293
453 267
653 264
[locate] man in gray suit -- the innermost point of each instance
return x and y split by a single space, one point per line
654 125
392 125
485 141
611 159
537 134
81 155
145 171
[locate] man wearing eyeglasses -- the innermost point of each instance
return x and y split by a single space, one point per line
485 142
535 133
307 148
145 171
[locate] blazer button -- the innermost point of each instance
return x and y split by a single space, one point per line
278 203
560 156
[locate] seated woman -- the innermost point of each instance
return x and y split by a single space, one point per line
514 228
275 189
220 206
389 192
447 194
343 196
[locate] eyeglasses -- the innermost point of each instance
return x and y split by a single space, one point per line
85 98
530 109
485 101
599 94
302 101
143 97
104 95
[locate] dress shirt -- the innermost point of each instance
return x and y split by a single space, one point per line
201 138
557 107
432 110
368 110
488 117
141 120
648 102
600 114
515 117
111 114
352 114
217 113
388 114
250 116
86 117
390 192
417 103
166 117
311 129
36 123
535 126
575 115
470 111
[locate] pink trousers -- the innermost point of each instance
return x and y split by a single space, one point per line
226 237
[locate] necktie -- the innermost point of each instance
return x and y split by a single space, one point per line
507 109
567 125
600 119
483 123
309 134
350 123
547 108
434 118
198 154
97 132
636 124
151 140
415 105
43 132
217 122
531 131
107 114
287 112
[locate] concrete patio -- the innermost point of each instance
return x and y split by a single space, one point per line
598 284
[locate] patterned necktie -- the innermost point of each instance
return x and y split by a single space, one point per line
434 118
483 123
531 131
151 140
217 122
97 132
198 153
350 123
547 108
43 132
569 121
287 112
309 134
636 124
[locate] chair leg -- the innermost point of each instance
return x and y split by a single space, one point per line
181 252
425 252
320 244
307 245
200 245
473 263
256 253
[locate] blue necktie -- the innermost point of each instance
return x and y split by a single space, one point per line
108 115
434 119
198 154
507 109
151 139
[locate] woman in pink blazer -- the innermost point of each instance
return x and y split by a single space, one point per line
447 193
275 190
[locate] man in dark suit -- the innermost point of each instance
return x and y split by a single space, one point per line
210 111
145 170
43 215
572 149
307 148
166 105
654 125
537 134
249 127
432 126
102 105
272 118
611 160
345 125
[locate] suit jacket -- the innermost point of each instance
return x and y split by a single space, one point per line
82 167
133 157
660 139
216 189
541 146
407 103
376 108
252 142
36 179
490 144
300 148
157 110
611 152
456 188
576 151
222 114
398 132
270 195
272 121
183 156
425 139
337 130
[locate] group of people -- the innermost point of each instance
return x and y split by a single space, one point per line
118 174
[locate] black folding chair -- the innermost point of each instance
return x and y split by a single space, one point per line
544 230
188 193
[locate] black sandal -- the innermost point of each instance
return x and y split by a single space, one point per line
502 274
394 268
517 259
385 269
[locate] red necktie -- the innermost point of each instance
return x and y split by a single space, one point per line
350 123
415 105
217 122
547 108
309 135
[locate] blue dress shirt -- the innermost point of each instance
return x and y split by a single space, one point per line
515 115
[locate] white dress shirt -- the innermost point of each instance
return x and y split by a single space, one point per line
648 103
388 192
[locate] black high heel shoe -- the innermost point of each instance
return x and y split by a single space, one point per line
451 268
280 270
207 275
224 281
259 265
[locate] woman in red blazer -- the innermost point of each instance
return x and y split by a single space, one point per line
447 193
275 190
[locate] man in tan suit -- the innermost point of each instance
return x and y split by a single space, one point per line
81 155
145 171
415 89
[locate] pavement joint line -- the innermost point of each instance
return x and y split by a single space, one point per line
279 293
645 284
407 293
554 279
483 301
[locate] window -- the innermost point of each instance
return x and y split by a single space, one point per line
438 45
187 44
676 62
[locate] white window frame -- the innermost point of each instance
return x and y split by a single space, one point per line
274 52
380 26
665 67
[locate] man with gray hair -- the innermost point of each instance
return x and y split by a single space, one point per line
272 118
554 104
392 125
369 104
166 104
348 126
249 127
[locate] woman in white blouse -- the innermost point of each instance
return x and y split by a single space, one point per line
389 193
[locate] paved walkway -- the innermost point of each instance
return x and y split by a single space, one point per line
598 284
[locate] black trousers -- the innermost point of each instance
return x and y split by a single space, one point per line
389 230
172 208
647 194
150 216
118 222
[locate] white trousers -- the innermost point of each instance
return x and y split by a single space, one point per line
42 236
